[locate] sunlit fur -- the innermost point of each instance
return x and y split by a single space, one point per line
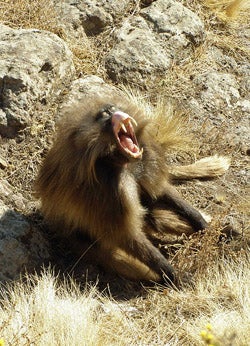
87 187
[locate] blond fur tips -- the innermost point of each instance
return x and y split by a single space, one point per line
208 167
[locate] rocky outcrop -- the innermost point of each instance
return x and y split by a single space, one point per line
217 90
148 44
176 25
10 197
34 65
137 53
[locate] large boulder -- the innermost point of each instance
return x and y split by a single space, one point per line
146 45
177 26
22 246
34 65
137 53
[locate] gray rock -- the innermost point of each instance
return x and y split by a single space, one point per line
3 163
22 247
177 26
92 15
34 65
69 18
10 197
147 44
244 105
223 61
137 53
217 90
85 88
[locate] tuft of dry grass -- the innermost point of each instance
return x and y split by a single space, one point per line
229 10
44 310
226 10
39 14
39 311
200 252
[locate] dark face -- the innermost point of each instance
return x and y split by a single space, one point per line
123 131
108 131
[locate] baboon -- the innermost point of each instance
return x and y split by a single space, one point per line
107 177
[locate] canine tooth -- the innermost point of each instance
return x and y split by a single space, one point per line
124 128
133 121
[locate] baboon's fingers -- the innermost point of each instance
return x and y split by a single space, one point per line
112 259
130 267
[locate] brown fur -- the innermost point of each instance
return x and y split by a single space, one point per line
87 185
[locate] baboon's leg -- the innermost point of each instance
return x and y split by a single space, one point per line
140 247
112 259
172 200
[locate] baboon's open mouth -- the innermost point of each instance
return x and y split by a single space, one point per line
125 136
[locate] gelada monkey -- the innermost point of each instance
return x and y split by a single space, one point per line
106 176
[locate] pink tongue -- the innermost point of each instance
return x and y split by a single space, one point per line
128 143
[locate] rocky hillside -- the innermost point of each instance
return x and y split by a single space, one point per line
192 55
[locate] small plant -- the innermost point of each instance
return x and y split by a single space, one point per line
211 339
208 337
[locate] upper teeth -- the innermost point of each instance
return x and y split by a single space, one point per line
124 128
133 121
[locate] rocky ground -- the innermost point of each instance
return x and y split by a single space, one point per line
192 57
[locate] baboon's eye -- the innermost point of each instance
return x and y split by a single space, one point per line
102 115
105 113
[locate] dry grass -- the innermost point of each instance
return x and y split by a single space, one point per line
229 10
42 312
39 14
222 31
46 311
